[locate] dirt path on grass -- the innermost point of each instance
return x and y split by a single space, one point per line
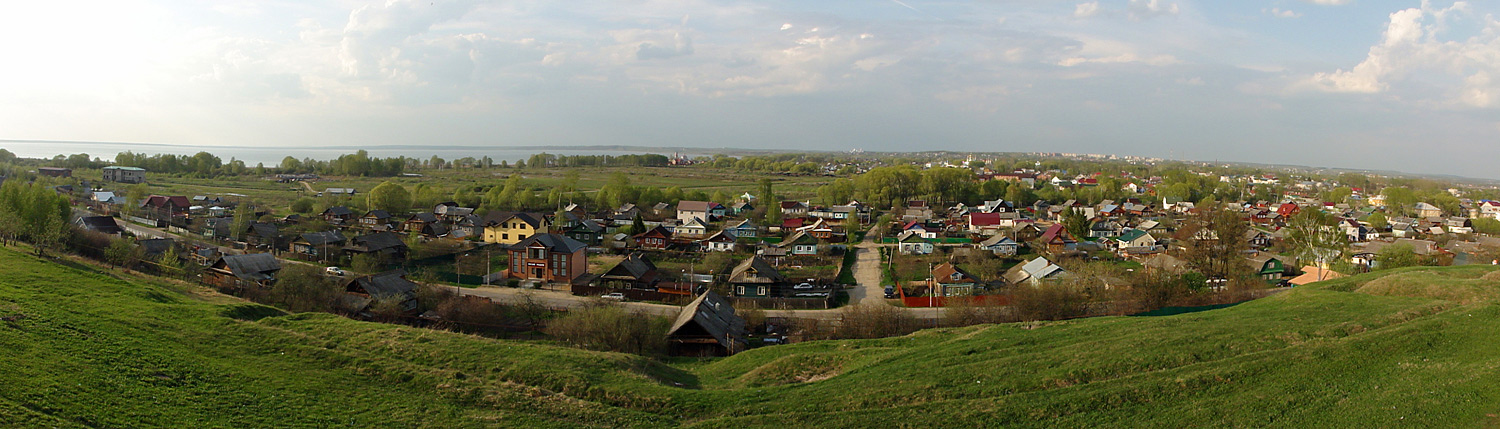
867 274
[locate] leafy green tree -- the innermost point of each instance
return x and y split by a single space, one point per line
169 263
1076 223
121 252
244 214
1378 221
391 197
1313 236
303 205
1396 256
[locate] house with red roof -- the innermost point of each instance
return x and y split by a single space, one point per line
1057 239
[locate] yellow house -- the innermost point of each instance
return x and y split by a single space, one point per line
512 227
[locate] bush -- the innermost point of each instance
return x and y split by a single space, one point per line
1049 302
874 321
302 288
611 328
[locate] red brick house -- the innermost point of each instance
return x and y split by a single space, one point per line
164 207
552 258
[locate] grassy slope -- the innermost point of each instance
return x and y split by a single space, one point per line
98 351
94 350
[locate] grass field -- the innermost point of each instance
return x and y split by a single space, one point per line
82 347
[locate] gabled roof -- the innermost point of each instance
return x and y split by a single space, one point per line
715 316
552 242
720 237
633 266
536 220
252 266
377 242
155 246
744 224
264 230
657 232
764 272
799 237
696 206
947 273
423 217
100 224
788 205
388 284
338 211
1054 232
322 238
984 219
1132 235
164 201
378 214
998 240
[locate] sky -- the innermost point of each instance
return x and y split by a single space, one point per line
1403 85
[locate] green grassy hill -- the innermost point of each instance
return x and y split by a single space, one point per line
1414 346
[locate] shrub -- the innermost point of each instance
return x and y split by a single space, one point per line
611 328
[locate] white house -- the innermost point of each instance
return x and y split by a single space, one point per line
912 243
719 242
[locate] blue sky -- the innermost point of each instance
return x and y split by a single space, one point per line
1405 85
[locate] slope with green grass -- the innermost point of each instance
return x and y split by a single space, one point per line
87 348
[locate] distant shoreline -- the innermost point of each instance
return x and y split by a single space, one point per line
665 150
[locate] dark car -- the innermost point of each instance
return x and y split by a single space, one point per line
890 292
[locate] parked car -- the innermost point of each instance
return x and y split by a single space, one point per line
614 296
333 271
804 286
890 292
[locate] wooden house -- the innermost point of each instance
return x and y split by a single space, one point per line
707 327
239 271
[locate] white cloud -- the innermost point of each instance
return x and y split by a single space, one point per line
1279 13
1085 10
1154 60
1147 9
786 26
1411 45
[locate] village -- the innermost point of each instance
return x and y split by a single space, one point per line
713 258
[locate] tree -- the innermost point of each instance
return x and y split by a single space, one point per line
244 214
1378 221
637 225
303 205
302 287
1313 236
1076 223
122 253
1215 242
1396 256
391 197
169 264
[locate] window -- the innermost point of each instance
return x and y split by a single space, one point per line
504 236
520 236
739 290
536 253
760 290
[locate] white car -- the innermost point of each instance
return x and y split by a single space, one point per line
333 271
614 296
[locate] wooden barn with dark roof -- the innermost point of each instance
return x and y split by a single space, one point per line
707 327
